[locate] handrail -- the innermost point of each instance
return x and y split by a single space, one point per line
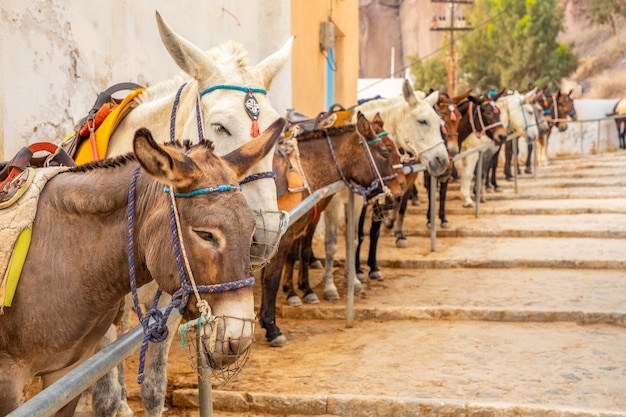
72 384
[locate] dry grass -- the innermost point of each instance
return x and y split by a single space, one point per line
602 70
608 86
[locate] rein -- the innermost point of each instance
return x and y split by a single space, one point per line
157 331
354 187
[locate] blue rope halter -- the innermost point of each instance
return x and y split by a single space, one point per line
249 178
156 330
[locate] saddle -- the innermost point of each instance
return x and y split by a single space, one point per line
90 138
291 185
17 174
298 123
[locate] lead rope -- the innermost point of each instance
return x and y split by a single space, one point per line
157 331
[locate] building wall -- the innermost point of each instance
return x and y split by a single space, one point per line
56 56
309 64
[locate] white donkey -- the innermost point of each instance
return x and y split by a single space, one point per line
518 115
414 125
207 101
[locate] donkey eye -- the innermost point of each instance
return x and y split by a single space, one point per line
423 122
207 236
220 129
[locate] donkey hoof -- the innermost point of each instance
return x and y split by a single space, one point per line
402 242
445 224
126 411
311 298
331 295
468 204
294 301
279 341
316 264
360 276
376 276
358 287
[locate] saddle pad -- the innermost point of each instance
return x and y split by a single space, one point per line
15 221
104 131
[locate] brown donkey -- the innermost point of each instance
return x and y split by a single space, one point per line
84 224
327 156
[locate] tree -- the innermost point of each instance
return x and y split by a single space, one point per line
430 73
606 11
515 46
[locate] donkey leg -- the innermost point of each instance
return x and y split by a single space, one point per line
305 253
107 391
293 299
154 385
427 185
372 261
443 191
468 165
357 255
331 222
13 379
401 241
270 281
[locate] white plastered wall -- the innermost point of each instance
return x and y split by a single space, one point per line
56 56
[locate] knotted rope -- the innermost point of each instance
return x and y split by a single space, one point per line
156 330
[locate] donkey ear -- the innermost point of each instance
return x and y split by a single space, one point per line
191 59
364 127
377 118
473 99
242 158
432 98
167 165
271 66
407 92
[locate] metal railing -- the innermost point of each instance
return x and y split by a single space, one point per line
58 394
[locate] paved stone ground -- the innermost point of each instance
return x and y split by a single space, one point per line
519 312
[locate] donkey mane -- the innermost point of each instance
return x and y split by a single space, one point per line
121 160
104 163
321 133
230 52
381 103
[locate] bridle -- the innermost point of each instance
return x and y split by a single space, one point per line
154 322
378 180
485 128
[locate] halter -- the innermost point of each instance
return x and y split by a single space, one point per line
200 122
157 331
479 133
250 102
521 104
412 149
354 187
283 216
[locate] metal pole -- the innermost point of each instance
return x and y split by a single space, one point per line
479 181
451 52
205 389
433 204
350 254
515 162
